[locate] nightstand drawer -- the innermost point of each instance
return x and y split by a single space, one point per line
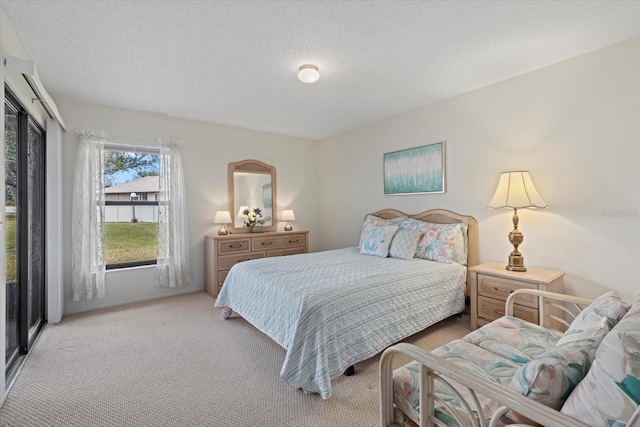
221 277
262 243
293 240
283 252
231 246
226 262
492 309
498 288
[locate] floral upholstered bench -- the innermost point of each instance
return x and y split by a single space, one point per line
513 372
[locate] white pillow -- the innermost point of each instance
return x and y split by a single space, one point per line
404 243
377 240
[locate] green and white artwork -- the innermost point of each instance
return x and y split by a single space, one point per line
415 170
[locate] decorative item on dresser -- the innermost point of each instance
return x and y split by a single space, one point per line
223 218
491 284
288 215
223 252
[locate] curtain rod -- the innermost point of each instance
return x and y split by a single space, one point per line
131 145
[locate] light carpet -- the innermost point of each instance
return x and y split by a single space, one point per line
175 362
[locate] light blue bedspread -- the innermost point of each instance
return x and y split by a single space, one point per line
332 309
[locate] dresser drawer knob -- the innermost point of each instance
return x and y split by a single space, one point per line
294 241
267 243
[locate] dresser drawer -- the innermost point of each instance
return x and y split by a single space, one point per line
283 252
231 246
293 240
226 262
264 243
492 309
499 288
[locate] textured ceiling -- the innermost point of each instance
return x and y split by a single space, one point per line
235 62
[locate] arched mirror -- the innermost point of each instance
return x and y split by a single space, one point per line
252 184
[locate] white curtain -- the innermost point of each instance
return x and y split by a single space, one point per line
87 256
174 267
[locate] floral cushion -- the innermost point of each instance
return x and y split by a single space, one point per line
495 352
610 392
597 318
372 220
377 240
404 243
437 242
551 377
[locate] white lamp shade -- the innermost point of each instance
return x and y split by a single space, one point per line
241 211
308 73
222 217
287 215
516 190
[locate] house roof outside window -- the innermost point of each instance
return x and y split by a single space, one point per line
147 184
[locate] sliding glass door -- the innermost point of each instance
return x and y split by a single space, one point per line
24 225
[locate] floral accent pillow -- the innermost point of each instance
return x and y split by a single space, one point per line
377 240
596 319
437 241
404 243
551 377
610 392
372 220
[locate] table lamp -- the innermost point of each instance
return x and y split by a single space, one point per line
515 191
223 218
287 215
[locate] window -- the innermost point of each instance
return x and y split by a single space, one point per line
131 207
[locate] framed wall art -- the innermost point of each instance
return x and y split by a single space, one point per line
415 170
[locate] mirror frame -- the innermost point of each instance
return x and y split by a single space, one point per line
252 166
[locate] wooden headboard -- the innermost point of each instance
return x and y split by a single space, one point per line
443 216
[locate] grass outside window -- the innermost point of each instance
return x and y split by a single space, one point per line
124 242
130 242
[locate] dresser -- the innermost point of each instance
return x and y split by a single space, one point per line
491 284
223 252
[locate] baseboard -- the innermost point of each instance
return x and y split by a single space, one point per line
135 300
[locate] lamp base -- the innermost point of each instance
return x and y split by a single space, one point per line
516 260
516 263
288 227
223 231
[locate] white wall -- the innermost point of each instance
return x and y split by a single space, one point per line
575 126
206 152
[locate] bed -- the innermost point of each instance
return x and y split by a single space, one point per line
335 308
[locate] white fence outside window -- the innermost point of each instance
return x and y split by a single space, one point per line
126 213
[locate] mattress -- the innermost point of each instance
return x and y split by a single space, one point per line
332 309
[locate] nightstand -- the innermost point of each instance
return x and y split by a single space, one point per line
491 284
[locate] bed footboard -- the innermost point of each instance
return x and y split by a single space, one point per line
436 369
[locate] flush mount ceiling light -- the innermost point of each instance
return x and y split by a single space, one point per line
308 73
